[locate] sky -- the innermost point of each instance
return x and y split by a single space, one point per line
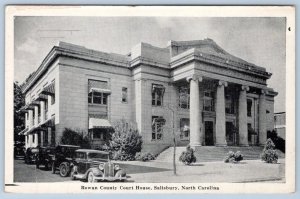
260 41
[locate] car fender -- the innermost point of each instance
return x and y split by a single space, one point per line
120 173
95 171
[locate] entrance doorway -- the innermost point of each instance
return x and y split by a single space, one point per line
209 133
231 134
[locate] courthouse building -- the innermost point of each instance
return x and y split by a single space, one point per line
194 88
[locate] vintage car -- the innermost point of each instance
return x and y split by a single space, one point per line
44 157
93 165
61 159
19 150
30 155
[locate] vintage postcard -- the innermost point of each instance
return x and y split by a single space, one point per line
158 99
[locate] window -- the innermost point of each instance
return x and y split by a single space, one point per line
33 138
124 94
157 94
99 134
184 128
97 98
249 107
208 101
229 104
157 127
184 97
98 92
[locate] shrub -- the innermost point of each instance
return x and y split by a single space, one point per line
188 157
75 137
234 157
144 157
269 154
277 140
125 141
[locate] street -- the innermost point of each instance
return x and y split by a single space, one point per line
154 171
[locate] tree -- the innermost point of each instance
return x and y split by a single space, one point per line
75 137
125 141
19 117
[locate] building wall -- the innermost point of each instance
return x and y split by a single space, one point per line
74 75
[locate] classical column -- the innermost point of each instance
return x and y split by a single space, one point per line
196 130
30 118
262 123
243 128
42 111
36 113
220 115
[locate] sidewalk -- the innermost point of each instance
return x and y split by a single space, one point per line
245 171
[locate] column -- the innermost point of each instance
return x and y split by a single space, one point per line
30 118
262 123
36 112
220 115
49 135
26 141
42 137
36 141
42 111
196 130
243 128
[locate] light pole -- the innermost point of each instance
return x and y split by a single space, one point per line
172 109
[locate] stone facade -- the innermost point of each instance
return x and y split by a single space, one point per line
194 88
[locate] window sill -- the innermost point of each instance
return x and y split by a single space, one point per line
100 105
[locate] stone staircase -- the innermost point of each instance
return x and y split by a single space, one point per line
213 153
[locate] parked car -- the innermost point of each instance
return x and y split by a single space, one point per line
44 157
62 157
93 165
19 149
30 155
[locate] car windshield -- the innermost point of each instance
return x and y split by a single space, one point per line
98 156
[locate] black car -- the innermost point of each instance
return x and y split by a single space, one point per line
30 155
93 165
19 150
44 157
62 158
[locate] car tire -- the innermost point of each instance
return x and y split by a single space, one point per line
64 169
91 177
53 168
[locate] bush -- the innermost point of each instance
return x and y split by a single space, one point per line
187 157
144 157
234 157
277 140
75 137
269 154
125 141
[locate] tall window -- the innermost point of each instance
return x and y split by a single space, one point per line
249 107
124 94
229 104
157 94
157 127
98 92
184 128
209 101
184 97
46 109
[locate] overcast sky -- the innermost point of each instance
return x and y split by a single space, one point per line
257 40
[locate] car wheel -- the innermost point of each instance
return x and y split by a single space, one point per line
91 177
53 168
64 169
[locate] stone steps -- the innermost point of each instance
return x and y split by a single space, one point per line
213 153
